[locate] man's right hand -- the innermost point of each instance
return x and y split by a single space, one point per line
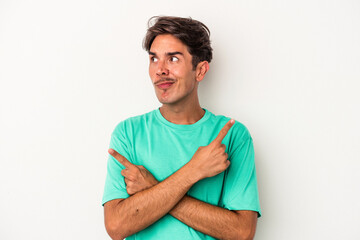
212 159
137 177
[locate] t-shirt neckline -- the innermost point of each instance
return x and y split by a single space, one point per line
182 126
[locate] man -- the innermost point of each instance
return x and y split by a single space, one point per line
180 172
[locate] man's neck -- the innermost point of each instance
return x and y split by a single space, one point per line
184 114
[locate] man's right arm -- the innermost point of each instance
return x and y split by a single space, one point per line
127 216
124 217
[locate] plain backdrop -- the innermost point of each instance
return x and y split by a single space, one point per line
71 70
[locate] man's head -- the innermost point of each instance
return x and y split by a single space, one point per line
194 34
179 53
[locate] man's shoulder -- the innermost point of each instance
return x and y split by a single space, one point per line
238 130
238 126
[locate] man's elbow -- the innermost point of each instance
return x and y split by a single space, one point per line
115 225
115 230
245 234
246 226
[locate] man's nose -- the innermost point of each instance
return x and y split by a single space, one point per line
162 69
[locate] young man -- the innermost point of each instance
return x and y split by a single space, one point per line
180 172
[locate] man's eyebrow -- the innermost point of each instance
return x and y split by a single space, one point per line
168 53
174 53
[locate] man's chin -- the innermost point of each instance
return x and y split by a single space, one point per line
166 101
170 99
163 98
162 101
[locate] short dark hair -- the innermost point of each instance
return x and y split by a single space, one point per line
194 34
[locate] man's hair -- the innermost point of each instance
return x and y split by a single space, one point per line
194 34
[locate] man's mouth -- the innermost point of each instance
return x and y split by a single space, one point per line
164 85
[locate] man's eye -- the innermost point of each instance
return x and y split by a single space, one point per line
153 59
174 59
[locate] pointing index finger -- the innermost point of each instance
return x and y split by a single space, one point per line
120 158
224 131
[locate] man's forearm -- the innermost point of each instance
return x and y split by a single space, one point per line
146 207
215 221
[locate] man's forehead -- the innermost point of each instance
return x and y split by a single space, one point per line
167 43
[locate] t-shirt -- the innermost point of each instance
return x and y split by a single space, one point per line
163 148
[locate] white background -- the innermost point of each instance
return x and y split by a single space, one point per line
71 70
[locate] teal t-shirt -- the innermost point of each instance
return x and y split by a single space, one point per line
163 147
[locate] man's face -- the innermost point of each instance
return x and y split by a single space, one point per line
171 70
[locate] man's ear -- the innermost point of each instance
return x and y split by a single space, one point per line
201 70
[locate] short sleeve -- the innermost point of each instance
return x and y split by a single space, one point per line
115 187
240 191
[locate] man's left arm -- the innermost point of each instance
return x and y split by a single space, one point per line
236 215
215 221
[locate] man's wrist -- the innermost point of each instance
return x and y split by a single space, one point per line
192 173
